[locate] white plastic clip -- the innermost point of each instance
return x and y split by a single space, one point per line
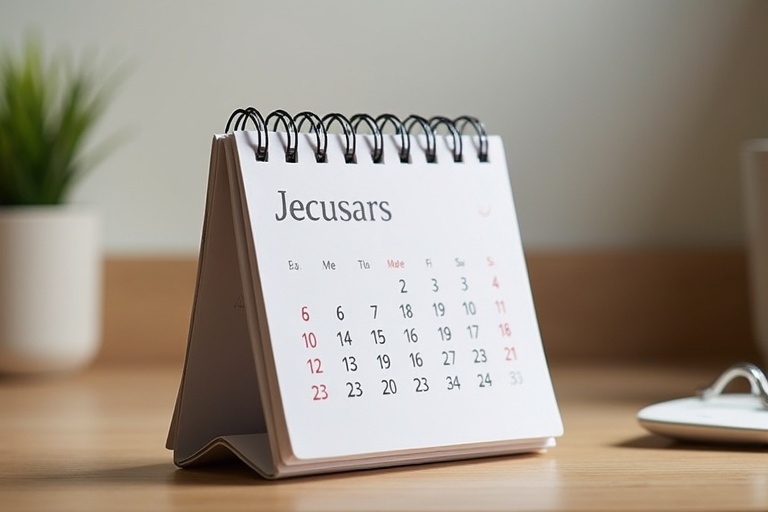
758 383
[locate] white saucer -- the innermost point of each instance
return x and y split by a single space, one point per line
728 418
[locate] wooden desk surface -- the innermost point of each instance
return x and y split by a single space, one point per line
94 441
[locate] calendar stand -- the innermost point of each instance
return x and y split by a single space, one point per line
219 401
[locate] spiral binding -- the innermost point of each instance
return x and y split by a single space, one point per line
351 126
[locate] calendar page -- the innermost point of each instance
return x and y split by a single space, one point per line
396 298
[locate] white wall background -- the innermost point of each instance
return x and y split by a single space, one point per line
622 120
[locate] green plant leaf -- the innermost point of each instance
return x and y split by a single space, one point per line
47 113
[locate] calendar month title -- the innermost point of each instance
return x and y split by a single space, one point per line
332 211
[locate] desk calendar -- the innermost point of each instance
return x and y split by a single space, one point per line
362 300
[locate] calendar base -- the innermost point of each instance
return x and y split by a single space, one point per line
254 451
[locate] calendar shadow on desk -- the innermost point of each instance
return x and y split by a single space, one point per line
654 442
33 476
149 474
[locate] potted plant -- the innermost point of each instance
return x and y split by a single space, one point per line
50 253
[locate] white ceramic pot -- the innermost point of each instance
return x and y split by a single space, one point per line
50 289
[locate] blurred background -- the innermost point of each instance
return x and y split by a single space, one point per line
622 120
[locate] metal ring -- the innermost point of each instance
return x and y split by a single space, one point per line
430 150
241 117
482 150
435 122
239 112
318 128
349 134
290 130
378 140
405 137
758 383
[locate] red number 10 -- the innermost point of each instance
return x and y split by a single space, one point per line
310 339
